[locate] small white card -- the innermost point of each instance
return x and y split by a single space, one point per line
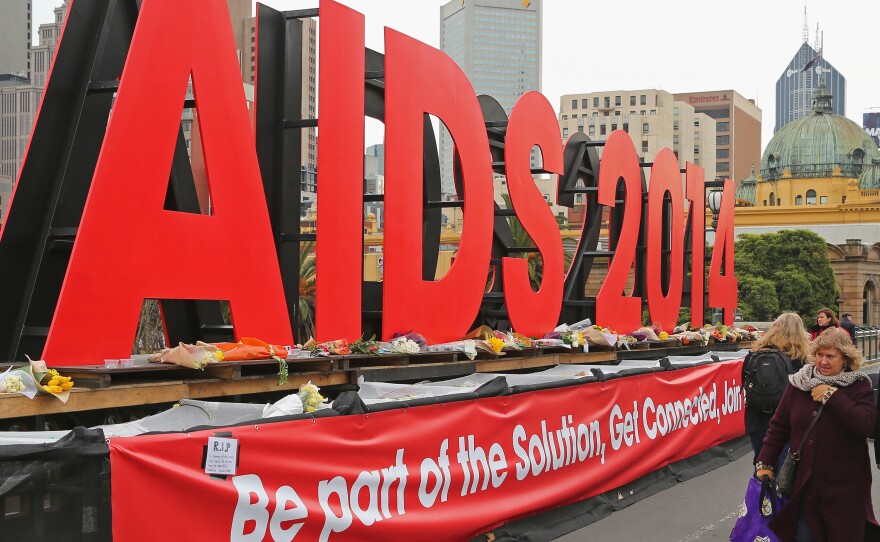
222 455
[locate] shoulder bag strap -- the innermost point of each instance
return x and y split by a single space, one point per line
797 454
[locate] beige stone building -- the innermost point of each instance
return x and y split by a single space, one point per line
857 268
654 119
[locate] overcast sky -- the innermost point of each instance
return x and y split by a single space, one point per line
677 45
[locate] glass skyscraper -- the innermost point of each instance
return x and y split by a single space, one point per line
795 87
497 43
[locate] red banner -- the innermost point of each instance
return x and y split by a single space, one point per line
453 470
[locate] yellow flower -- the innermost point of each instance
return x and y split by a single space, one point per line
66 386
496 344
219 355
663 336
53 389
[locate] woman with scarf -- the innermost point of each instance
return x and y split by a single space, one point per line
825 319
831 496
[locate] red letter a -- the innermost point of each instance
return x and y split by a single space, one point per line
128 248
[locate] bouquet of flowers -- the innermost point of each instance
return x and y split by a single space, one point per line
468 347
34 379
413 337
338 347
404 345
369 347
194 356
311 397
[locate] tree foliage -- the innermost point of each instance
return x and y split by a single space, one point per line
784 271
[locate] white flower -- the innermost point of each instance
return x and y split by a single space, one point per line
12 384
404 346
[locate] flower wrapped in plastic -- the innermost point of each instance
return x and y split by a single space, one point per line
468 347
194 356
18 380
404 345
370 347
599 336
339 347
417 338
311 397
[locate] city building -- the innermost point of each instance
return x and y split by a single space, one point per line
871 124
737 130
309 48
497 44
5 195
15 37
800 78
20 96
378 151
822 173
654 119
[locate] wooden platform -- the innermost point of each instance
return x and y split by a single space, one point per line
99 387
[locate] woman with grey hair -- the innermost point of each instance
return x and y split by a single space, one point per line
831 494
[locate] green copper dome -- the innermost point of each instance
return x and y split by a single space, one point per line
812 147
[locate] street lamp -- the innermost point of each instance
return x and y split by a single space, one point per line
714 198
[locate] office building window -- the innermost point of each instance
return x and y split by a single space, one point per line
722 166
722 127
596 101
696 123
607 101
722 140
643 100
798 200
584 103
722 153
823 199
564 117
602 130
626 127
564 133
617 101
645 127
632 100
574 104
592 130
644 146
696 150
674 124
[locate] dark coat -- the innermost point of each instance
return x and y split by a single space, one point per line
850 328
834 473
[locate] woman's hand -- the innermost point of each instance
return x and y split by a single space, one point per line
769 472
819 392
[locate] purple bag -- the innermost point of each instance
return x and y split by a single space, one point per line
761 504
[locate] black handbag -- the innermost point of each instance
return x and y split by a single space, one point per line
785 478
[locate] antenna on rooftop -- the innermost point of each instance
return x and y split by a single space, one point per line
806 33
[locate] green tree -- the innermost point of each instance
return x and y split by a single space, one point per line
305 310
794 263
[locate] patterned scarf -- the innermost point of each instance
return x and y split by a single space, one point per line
808 378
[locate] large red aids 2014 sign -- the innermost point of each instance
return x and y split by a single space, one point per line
107 279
